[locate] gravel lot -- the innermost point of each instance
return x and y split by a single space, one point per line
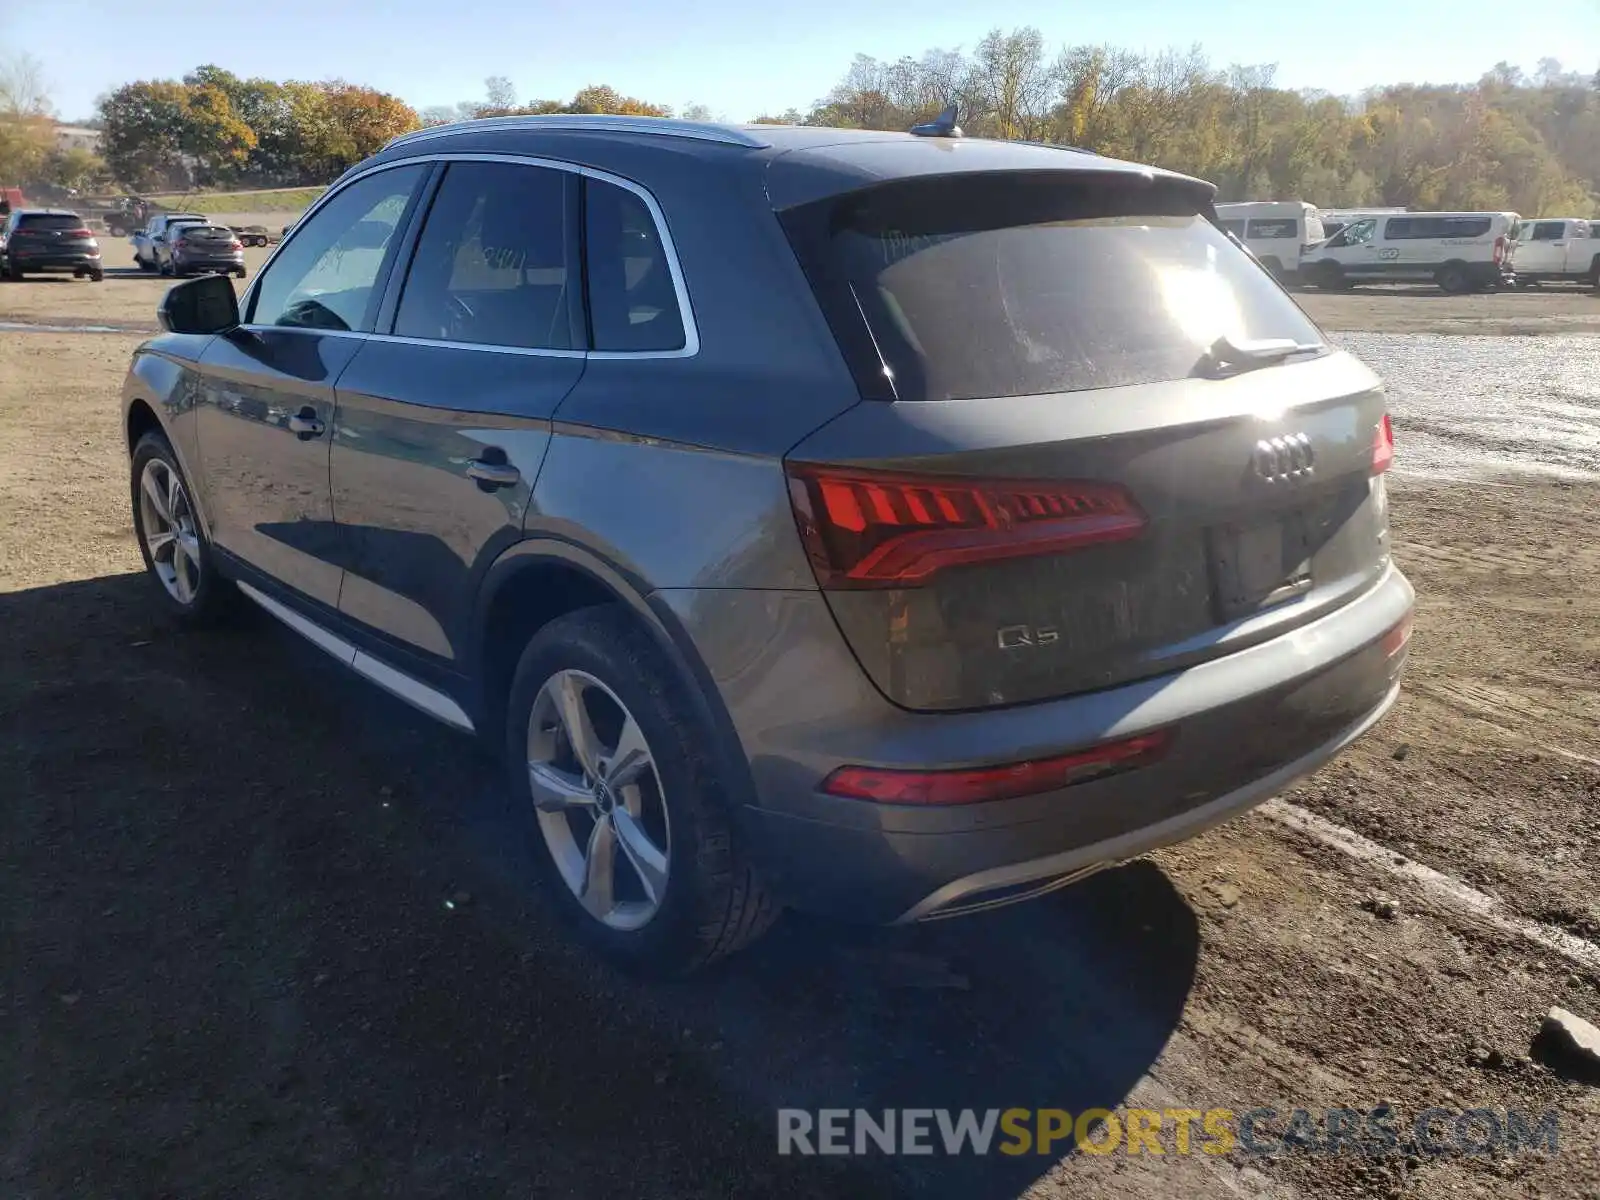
261 937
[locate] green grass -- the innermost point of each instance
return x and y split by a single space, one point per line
270 200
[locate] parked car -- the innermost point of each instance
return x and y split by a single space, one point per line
1558 249
769 502
191 246
39 240
1460 252
252 235
1275 231
146 241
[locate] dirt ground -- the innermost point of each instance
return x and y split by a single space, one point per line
262 936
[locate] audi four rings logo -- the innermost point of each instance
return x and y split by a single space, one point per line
1283 459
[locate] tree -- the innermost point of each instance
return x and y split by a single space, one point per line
353 122
76 168
142 134
212 134
601 98
501 93
25 133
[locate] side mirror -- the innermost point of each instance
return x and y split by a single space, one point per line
202 305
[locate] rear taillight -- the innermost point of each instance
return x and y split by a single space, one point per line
864 530
236 244
1395 640
997 783
80 233
1382 446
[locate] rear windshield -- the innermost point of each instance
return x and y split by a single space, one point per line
49 221
1012 285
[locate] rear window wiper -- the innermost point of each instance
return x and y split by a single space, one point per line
1228 356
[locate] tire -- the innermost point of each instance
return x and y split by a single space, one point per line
708 901
164 270
1330 277
206 597
241 273
97 276
1452 278
1593 278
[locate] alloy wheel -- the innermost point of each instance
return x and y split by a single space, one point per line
598 800
167 521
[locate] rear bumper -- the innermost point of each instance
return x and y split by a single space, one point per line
54 262
1246 726
226 262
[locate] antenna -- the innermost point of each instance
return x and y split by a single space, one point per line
944 125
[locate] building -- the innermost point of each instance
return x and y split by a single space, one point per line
77 137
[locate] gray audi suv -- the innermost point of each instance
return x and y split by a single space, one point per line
891 525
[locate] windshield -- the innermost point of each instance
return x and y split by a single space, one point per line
1021 284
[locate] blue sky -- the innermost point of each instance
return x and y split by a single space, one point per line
740 60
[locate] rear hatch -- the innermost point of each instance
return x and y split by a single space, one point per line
1097 441
215 241
52 233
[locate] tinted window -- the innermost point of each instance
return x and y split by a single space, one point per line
633 304
324 276
1276 228
1234 227
1411 228
1029 283
43 221
493 265
1549 231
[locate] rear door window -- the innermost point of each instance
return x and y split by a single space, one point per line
1549 231
956 287
495 264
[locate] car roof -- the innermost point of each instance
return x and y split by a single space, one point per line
43 212
802 162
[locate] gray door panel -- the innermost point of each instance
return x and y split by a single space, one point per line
266 483
418 528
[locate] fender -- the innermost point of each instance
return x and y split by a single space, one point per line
662 624
159 375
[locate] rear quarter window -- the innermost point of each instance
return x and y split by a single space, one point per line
956 287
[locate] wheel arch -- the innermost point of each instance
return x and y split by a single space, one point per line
538 580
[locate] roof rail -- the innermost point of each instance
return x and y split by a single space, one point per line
703 131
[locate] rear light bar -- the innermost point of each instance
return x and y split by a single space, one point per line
997 783
880 529
80 233
1382 446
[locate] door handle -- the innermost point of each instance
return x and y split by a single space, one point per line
491 475
305 424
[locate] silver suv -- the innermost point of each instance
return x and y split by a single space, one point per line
889 525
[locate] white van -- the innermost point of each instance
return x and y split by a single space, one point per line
1458 251
1274 230
1557 248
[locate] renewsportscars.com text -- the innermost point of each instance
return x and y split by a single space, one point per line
1215 1131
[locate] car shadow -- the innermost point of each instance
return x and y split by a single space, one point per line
269 922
